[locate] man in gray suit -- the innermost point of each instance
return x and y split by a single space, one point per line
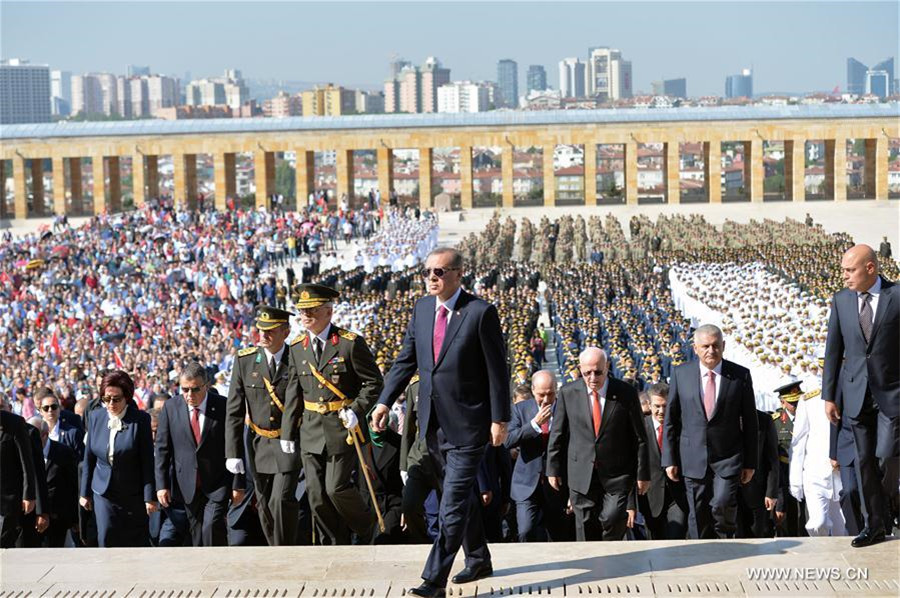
862 360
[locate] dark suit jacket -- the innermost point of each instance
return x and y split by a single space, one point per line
62 484
857 366
532 453
131 473
18 481
620 451
655 499
72 436
175 444
467 386
765 480
727 442
41 502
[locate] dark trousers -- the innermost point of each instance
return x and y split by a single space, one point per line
207 521
334 497
10 528
712 504
670 524
279 511
851 503
875 435
460 511
601 513
420 482
542 516
121 522
55 534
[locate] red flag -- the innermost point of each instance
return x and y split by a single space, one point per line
118 359
54 343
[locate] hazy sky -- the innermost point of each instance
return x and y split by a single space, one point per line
794 46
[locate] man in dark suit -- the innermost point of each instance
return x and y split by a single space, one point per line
598 439
191 435
455 342
256 396
36 523
664 506
843 455
758 497
710 434
862 356
61 469
18 484
540 509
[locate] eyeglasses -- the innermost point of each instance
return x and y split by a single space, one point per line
439 272
597 373
113 400
191 389
49 408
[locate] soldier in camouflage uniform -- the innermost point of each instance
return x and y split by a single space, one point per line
789 513
256 397
333 381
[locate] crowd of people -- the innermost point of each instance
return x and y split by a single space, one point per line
155 306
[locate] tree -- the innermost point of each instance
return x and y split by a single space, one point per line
285 179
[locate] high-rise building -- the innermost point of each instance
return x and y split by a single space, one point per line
24 92
391 96
608 74
123 97
60 93
676 88
397 65
139 95
368 102
162 92
856 76
87 96
463 96
887 66
878 83
328 101
410 99
739 86
508 83
433 76
229 90
536 78
283 105
134 70
571 78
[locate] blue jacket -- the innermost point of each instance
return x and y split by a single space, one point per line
131 473
532 451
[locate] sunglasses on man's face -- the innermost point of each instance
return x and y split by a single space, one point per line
49 408
439 272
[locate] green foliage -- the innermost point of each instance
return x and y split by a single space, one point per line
285 179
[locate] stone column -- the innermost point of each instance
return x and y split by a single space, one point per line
220 178
59 185
795 169
178 198
385 157
153 177
99 176
37 187
20 188
75 182
672 172
305 176
590 174
836 169
753 166
465 176
190 181
877 165
264 173
3 210
115 185
345 175
138 184
549 176
506 171
712 170
425 167
631 174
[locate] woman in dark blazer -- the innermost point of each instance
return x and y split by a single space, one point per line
117 477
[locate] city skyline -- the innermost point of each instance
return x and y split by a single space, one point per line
697 41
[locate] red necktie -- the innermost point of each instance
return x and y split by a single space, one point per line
195 424
659 437
440 329
596 407
709 394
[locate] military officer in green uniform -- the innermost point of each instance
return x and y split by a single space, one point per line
789 514
333 383
256 398
421 475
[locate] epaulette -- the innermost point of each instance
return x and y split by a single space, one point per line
350 336
247 351
812 394
776 415
414 379
299 339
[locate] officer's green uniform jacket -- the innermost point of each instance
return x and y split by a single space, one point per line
348 364
249 396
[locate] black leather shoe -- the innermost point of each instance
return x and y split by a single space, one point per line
428 590
867 538
473 573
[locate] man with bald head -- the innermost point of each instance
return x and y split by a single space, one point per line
540 508
599 445
862 361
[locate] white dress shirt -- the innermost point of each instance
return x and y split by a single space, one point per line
450 304
602 395
54 432
269 357
202 408
875 291
704 371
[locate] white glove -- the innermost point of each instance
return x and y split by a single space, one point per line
348 418
404 475
797 492
287 446
235 466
